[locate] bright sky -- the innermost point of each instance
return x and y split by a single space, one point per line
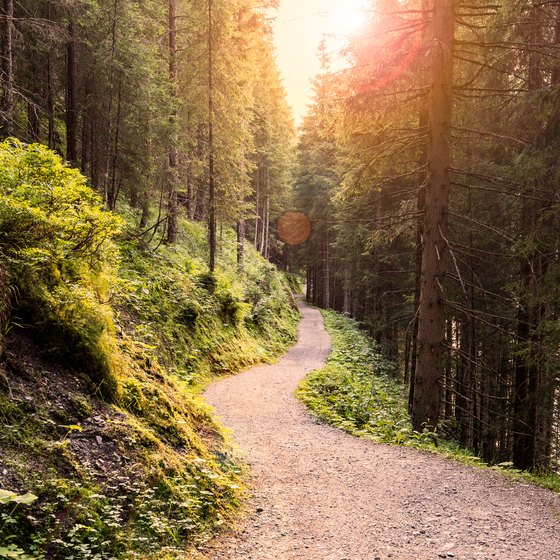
300 25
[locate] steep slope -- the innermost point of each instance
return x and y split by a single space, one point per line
106 340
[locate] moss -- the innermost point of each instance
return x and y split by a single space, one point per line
101 417
81 406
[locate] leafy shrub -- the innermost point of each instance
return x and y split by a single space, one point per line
208 281
56 244
357 390
231 308
189 313
8 498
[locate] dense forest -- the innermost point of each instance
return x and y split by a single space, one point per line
148 152
430 171
165 105
147 149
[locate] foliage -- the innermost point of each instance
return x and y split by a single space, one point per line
357 390
56 245
362 178
153 471
203 323
8 497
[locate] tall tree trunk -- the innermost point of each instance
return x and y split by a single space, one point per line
108 148
211 178
266 249
72 95
346 287
172 204
113 191
529 367
240 243
420 202
431 314
423 122
49 94
257 201
8 69
326 268
145 216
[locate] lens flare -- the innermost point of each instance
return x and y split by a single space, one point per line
294 228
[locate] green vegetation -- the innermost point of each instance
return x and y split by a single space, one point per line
358 392
106 338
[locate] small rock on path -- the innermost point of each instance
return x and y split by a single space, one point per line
320 494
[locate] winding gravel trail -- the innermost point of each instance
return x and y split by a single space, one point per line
324 495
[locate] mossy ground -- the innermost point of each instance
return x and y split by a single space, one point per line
152 472
358 392
125 457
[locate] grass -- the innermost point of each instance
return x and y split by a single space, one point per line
103 354
150 473
358 392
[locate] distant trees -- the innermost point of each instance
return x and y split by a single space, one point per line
442 213
122 90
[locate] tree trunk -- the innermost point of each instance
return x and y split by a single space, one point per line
257 201
240 244
113 191
326 270
8 70
529 367
72 96
420 202
266 249
173 156
211 178
431 316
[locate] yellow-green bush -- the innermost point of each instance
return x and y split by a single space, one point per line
151 471
57 249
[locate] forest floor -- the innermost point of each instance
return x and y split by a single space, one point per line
321 494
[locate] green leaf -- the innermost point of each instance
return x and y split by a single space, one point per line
27 498
6 496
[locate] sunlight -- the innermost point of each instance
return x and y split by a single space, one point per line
346 20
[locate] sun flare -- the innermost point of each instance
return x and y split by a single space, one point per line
346 20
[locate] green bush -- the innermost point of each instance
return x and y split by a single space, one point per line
56 244
231 308
208 281
189 313
357 390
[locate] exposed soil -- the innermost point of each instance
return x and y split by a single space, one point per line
324 495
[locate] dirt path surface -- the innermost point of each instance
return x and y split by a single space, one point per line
323 495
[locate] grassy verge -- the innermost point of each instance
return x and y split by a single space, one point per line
358 392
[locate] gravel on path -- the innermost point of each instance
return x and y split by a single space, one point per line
320 494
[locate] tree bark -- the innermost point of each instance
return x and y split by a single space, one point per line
326 269
173 156
72 96
113 191
240 243
431 315
266 248
8 69
211 178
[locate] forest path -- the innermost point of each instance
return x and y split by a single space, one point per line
324 495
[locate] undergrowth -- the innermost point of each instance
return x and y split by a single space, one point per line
106 338
358 392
